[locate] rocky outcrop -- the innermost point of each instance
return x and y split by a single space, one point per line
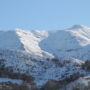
55 85
82 83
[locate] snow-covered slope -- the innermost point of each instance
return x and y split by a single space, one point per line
29 51
73 42
10 40
80 84
70 43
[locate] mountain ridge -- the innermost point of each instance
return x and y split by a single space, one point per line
46 55
57 42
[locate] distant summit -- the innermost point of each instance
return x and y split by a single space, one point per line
79 27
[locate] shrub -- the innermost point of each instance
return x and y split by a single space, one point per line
6 72
51 85
86 65
55 85
56 61
23 86
2 63
73 77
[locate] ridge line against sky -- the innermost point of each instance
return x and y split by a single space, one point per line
43 14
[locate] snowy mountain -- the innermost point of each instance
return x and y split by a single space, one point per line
35 52
70 43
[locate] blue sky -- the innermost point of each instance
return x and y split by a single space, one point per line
43 14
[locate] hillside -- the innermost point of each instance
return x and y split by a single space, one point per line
70 43
46 55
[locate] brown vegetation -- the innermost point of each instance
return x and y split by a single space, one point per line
6 72
86 65
55 85
57 62
10 86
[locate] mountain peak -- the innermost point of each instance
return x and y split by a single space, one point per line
18 30
78 26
